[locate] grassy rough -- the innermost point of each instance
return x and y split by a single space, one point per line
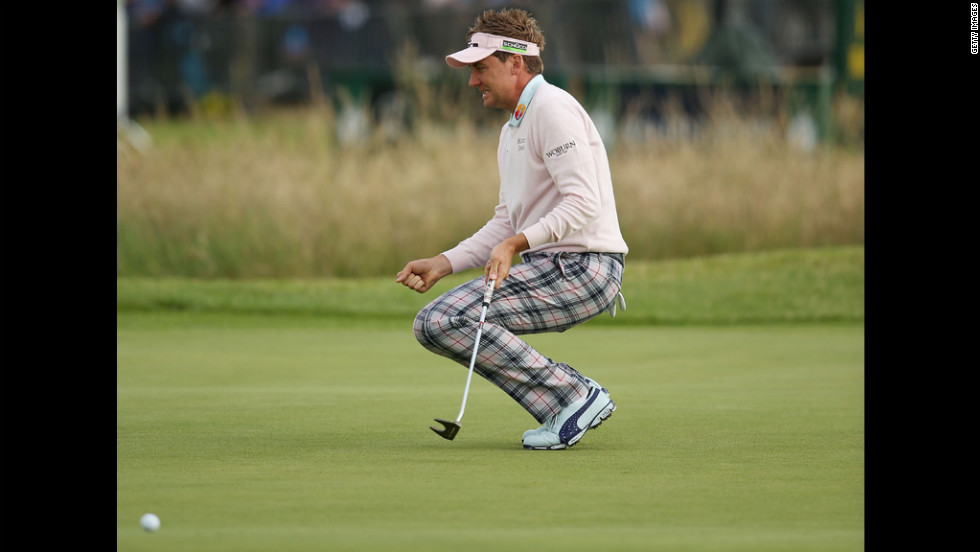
274 197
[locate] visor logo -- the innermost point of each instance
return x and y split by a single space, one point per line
509 45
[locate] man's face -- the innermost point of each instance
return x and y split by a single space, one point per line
497 81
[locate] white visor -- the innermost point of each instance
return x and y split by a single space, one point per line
482 45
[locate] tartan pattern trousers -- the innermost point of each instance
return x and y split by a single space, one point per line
547 292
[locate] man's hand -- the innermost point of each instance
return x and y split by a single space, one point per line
422 274
498 267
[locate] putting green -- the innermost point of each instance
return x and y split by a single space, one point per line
262 433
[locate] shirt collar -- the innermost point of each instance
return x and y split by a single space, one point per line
525 100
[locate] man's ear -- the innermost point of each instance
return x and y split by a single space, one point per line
517 66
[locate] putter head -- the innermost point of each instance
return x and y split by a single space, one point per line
449 430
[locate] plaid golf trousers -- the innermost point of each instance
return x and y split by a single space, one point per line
548 292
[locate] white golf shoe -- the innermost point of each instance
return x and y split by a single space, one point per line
593 383
568 426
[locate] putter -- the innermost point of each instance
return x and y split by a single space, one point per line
450 429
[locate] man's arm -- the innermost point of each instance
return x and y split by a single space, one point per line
498 266
422 274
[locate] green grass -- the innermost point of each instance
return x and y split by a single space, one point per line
794 285
256 416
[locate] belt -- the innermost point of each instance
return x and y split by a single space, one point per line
618 257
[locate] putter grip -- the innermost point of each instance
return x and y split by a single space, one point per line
488 293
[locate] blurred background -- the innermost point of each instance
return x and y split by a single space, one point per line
620 57
318 138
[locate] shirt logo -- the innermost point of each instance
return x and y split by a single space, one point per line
519 112
561 150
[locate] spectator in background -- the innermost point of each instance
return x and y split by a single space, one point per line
195 7
737 48
154 54
652 23
142 17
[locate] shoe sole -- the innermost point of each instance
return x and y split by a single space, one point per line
602 416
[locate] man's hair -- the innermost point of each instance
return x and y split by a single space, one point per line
513 23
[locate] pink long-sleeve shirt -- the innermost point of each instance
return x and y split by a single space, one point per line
555 184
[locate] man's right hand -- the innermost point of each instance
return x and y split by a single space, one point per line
422 274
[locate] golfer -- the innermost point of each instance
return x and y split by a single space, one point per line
556 209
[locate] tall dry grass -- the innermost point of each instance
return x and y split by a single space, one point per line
736 183
277 196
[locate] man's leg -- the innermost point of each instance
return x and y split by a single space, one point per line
549 293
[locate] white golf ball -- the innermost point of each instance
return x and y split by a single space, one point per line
150 522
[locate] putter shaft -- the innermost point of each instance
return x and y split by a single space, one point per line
452 428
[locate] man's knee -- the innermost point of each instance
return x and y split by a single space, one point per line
430 327
422 328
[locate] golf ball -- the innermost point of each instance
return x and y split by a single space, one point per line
150 522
